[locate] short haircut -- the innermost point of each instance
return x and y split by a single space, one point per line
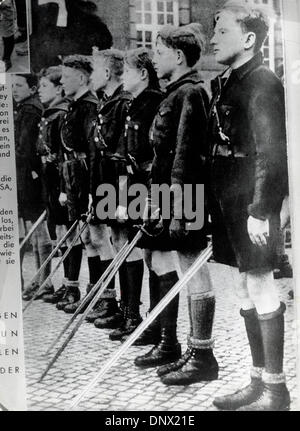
79 62
252 18
114 59
52 73
188 38
141 58
31 79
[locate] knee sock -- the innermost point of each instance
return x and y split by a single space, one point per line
75 258
66 262
94 269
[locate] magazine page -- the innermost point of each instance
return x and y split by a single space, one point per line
12 366
154 202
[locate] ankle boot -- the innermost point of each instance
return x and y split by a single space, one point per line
152 334
71 308
135 273
275 395
72 294
174 366
107 305
251 392
117 319
113 322
201 365
131 322
57 296
168 350
105 308
241 397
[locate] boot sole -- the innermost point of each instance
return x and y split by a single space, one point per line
147 343
108 326
187 381
154 365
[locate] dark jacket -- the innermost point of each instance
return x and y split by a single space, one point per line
48 41
49 148
178 136
251 111
134 145
27 116
108 129
178 133
77 154
77 127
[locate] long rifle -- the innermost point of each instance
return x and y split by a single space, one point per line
33 229
117 266
52 254
62 259
202 259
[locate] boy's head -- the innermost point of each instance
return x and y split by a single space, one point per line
49 84
139 70
76 73
240 29
108 67
23 86
177 47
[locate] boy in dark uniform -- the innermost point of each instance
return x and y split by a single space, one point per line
49 147
112 112
135 150
248 183
179 141
78 156
28 114
75 132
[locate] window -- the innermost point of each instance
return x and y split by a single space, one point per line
151 15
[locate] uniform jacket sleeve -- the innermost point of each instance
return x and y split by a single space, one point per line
267 127
26 151
88 120
191 136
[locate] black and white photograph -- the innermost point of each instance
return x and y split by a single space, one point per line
14 37
154 208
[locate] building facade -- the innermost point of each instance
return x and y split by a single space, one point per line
135 23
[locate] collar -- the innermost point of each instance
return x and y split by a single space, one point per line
60 104
119 92
81 93
246 68
31 100
190 77
115 94
218 83
87 96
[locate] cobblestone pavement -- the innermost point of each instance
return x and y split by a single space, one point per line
125 387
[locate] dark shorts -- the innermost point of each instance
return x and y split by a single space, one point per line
76 180
196 240
231 242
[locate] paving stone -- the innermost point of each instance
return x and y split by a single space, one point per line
126 387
